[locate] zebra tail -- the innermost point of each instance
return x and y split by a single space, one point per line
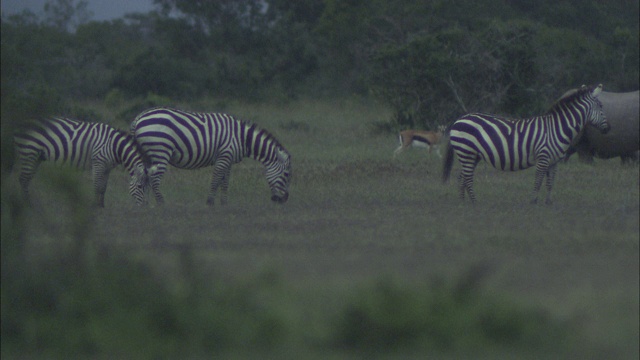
448 162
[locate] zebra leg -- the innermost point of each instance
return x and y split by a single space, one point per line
466 177
221 173
551 175
461 186
224 188
28 166
156 172
100 180
541 170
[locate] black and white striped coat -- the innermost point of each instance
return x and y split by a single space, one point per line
82 145
192 140
512 145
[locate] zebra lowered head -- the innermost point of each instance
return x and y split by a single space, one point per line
278 173
138 170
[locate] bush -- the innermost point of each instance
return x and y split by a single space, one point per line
457 317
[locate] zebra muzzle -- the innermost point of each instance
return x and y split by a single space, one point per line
280 199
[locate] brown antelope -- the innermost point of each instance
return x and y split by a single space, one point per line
420 138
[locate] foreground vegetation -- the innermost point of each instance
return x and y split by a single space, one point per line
370 257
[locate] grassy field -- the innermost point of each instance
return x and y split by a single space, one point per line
371 256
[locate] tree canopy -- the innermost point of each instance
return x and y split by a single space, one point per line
430 61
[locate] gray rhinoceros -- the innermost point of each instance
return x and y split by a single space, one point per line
621 110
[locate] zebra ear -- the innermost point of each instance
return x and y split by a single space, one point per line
597 91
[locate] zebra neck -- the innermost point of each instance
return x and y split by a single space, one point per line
258 144
571 117
124 152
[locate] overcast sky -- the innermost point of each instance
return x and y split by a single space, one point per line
101 9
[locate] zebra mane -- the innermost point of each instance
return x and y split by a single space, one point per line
266 134
570 96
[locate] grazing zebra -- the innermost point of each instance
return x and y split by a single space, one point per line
519 144
190 140
81 145
421 138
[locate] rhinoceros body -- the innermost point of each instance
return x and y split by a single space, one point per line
623 140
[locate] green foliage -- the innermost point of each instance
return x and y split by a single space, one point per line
436 78
458 317
159 72
77 297
431 60
114 98
133 108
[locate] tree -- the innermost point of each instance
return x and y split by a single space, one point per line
66 15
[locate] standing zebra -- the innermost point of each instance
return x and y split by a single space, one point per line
190 140
80 145
519 144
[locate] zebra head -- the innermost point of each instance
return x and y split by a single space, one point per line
279 175
595 115
138 184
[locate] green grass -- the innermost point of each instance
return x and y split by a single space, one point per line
370 254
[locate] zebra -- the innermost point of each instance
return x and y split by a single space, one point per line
511 145
80 145
193 140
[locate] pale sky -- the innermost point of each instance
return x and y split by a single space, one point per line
101 9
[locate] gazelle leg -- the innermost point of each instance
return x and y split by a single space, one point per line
398 150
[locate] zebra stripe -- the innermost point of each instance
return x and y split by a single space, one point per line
512 145
80 145
190 140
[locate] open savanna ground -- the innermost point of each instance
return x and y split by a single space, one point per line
371 256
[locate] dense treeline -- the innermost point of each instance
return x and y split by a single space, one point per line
430 60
